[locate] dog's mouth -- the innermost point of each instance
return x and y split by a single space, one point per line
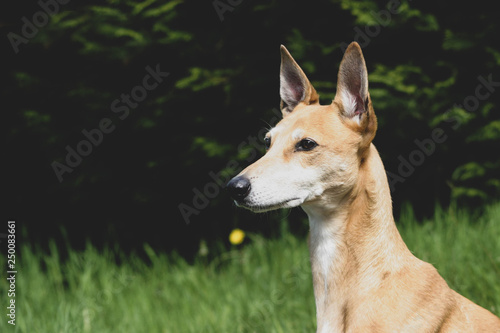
260 208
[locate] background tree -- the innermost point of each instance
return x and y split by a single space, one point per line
425 61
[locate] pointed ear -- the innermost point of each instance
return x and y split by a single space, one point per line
352 90
295 88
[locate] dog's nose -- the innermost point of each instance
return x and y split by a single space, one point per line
239 187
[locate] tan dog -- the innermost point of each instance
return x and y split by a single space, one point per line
321 157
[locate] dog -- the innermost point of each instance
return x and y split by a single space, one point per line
321 158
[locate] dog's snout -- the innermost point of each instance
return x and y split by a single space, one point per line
239 187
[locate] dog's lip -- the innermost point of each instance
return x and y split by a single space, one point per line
264 208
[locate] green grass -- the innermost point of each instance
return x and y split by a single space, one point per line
263 287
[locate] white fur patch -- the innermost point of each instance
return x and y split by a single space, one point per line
297 134
323 236
349 103
284 186
326 328
273 131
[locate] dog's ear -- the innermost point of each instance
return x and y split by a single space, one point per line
295 88
352 92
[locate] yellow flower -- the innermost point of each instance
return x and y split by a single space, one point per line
236 236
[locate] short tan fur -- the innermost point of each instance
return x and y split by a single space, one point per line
321 157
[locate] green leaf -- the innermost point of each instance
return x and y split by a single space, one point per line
457 42
468 171
396 77
109 12
453 115
200 79
35 118
161 10
489 132
458 192
141 5
211 147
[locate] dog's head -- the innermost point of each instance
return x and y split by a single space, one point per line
315 151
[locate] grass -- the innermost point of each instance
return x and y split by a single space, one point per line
263 287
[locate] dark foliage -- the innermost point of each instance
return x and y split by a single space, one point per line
428 63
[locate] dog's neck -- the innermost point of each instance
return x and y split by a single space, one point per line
354 245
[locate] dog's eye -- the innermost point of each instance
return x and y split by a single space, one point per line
306 144
267 142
